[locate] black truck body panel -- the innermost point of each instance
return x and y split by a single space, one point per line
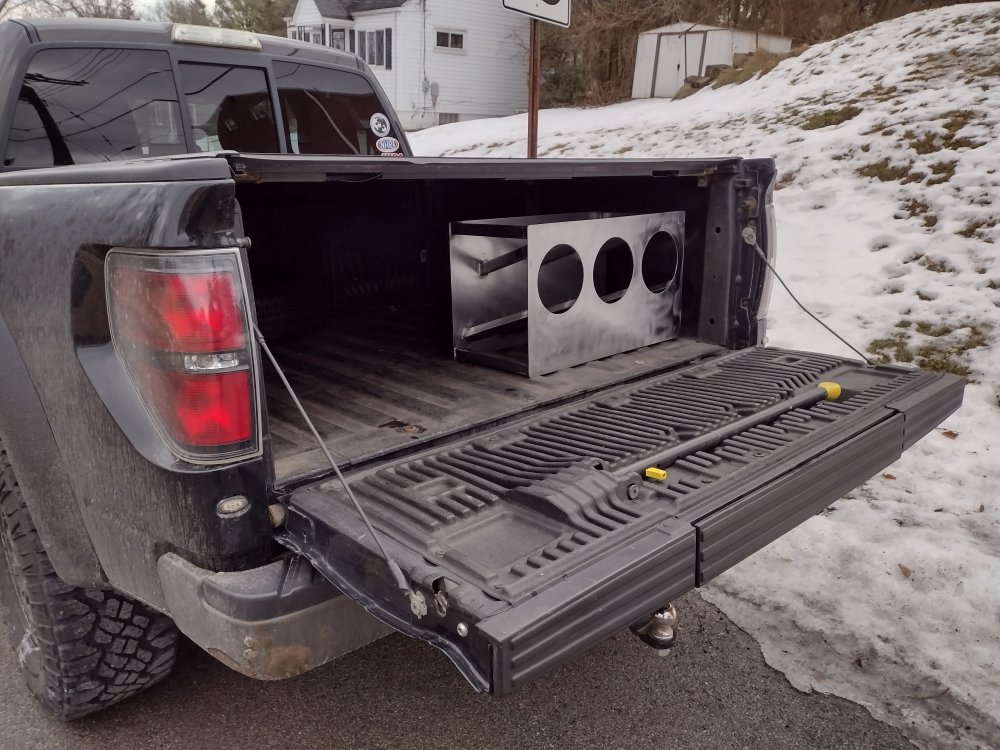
136 500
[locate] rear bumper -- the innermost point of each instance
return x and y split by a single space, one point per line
269 623
578 546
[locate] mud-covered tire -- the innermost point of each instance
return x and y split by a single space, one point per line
80 650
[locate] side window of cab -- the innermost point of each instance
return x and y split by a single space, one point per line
83 106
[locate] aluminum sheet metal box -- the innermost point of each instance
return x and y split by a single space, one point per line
537 294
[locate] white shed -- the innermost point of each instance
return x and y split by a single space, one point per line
669 55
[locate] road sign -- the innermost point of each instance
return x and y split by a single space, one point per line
552 11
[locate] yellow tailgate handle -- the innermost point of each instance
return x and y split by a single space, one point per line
833 390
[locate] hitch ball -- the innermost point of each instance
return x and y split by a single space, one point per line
660 631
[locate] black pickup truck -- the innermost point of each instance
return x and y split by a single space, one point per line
539 403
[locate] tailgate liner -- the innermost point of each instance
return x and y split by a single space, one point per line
534 535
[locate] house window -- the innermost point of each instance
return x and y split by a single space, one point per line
375 47
338 38
450 40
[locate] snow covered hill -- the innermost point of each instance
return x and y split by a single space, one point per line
888 141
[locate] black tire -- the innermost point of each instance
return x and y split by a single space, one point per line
80 650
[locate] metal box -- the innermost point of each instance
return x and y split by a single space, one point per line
537 294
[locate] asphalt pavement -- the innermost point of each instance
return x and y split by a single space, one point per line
714 691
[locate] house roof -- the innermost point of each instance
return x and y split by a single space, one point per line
347 8
332 9
360 6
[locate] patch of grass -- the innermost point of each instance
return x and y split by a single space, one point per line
761 61
991 72
885 171
928 143
879 127
943 171
994 284
931 329
937 266
891 349
942 347
958 119
926 296
830 117
685 91
786 179
973 229
880 93
915 207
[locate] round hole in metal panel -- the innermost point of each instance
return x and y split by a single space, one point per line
560 278
613 270
660 262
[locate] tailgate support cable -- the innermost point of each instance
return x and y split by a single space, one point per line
750 237
418 604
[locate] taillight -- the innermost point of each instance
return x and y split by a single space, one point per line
180 326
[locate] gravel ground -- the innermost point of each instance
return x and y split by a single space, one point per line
714 691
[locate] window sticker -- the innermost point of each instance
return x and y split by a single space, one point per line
380 125
387 145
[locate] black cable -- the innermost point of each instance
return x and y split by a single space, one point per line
394 568
750 237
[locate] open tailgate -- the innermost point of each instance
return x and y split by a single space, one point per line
543 537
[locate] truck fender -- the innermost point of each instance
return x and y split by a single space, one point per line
37 462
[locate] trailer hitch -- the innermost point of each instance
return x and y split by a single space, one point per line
659 632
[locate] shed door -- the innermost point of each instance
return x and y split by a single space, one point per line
669 66
694 52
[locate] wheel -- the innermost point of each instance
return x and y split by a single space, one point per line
80 650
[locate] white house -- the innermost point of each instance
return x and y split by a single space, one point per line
667 56
439 61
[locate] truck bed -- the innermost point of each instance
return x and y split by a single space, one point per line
372 384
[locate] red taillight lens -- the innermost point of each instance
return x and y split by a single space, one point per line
202 410
179 312
179 324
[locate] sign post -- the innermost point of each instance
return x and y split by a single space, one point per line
534 87
550 11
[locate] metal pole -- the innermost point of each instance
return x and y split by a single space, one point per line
534 73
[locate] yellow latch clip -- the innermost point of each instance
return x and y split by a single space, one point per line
656 473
